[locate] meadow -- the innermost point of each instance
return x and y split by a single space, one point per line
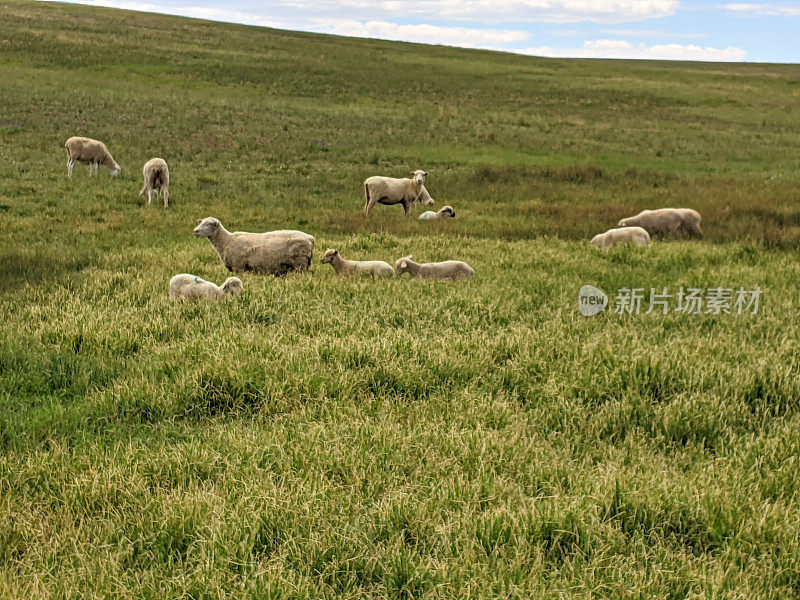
322 437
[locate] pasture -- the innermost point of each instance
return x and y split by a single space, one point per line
321 437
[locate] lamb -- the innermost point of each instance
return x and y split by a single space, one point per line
376 268
449 269
676 221
446 212
274 252
191 287
89 152
622 235
388 190
156 180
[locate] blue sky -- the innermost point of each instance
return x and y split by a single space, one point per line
658 29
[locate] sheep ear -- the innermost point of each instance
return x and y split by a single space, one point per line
199 221
403 265
425 174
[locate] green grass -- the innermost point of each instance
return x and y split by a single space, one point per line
321 437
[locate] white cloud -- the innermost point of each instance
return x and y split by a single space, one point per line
480 11
653 33
423 33
772 10
625 49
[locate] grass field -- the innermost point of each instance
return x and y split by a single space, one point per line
321 437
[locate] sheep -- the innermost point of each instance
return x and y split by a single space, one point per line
449 269
191 287
622 235
91 152
446 212
275 252
156 180
676 221
388 190
376 268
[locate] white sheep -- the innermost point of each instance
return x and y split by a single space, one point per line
89 152
675 221
192 287
376 268
449 269
276 252
156 180
622 235
446 212
390 191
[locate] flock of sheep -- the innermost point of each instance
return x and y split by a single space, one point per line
283 251
276 252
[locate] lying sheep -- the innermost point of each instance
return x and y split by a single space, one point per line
388 190
89 152
663 221
376 268
446 212
156 180
622 235
449 269
191 287
274 252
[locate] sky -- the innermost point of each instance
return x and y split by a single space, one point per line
649 29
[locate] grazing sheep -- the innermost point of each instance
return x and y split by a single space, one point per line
449 269
156 180
89 152
623 235
274 252
675 221
191 287
446 212
376 268
388 190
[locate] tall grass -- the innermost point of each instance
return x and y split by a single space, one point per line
326 437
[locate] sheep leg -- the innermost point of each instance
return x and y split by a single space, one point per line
370 202
70 165
149 196
165 195
406 207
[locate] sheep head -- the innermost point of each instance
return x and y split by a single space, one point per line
419 176
328 256
401 266
596 239
233 286
623 223
207 227
447 211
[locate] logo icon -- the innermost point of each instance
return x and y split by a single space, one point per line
591 300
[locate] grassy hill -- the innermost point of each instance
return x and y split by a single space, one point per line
321 437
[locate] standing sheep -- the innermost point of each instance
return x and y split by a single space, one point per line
446 212
388 190
156 180
89 152
376 268
191 287
663 221
275 252
449 269
622 235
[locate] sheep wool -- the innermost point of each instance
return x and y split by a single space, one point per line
621 235
376 268
446 212
449 269
667 221
192 287
156 180
390 191
273 252
89 152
